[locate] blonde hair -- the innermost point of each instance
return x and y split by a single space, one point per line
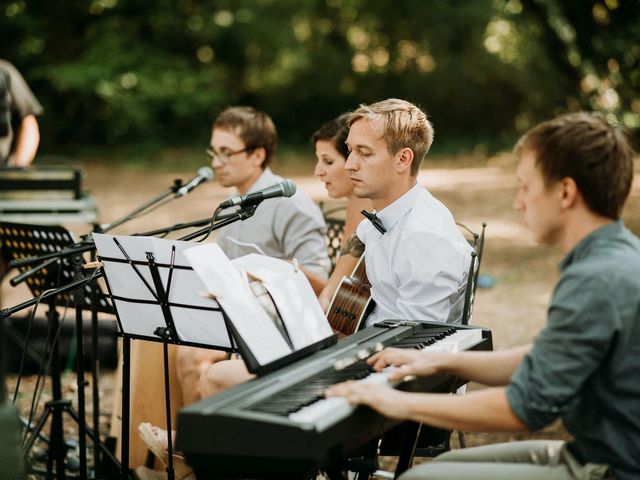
405 126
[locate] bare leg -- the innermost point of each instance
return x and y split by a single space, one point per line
191 363
222 375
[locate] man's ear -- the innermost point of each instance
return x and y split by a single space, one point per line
569 193
404 159
258 156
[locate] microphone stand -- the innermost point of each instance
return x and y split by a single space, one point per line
89 245
54 257
57 406
149 203
241 215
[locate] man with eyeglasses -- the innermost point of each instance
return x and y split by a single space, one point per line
243 143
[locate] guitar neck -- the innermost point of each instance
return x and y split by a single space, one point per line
360 272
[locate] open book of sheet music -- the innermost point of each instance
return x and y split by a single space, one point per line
187 271
297 306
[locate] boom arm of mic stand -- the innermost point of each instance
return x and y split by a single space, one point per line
149 203
178 226
26 274
182 226
21 262
7 312
242 214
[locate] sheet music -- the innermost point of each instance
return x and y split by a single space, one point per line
298 305
230 286
195 325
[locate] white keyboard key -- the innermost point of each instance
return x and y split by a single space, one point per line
457 342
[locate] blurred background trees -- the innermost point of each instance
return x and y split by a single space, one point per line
116 72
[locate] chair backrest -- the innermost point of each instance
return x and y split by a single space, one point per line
335 226
462 306
479 250
334 235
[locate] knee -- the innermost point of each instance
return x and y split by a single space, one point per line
184 361
193 361
211 381
222 375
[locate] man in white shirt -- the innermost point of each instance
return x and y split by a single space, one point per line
416 258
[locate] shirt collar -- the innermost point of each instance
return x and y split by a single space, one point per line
266 179
584 246
390 214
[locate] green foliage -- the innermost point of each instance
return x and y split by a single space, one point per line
127 72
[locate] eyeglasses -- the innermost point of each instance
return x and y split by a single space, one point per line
224 157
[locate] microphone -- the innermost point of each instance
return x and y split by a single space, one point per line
282 189
205 174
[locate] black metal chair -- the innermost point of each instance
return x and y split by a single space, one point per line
334 218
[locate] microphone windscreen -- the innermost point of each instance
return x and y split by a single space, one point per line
288 188
206 173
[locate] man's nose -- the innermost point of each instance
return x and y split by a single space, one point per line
351 163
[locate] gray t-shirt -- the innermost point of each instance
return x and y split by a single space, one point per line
585 365
281 227
22 102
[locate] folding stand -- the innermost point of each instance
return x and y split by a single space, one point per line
22 241
145 281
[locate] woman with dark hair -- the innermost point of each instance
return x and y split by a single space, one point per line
331 154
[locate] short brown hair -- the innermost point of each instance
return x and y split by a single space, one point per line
405 126
585 147
255 129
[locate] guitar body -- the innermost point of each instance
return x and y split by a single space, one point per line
351 302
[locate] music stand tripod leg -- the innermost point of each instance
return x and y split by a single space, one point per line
53 408
81 382
126 418
167 400
95 374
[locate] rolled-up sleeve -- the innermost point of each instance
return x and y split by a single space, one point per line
582 325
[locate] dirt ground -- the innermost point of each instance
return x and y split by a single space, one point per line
524 273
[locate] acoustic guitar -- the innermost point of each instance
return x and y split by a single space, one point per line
351 303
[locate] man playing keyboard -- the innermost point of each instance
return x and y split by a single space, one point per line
575 174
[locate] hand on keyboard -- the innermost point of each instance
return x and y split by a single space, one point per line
374 392
409 362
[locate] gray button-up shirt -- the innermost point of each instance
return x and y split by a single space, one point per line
281 227
585 365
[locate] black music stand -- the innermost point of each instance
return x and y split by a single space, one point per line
20 241
155 296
